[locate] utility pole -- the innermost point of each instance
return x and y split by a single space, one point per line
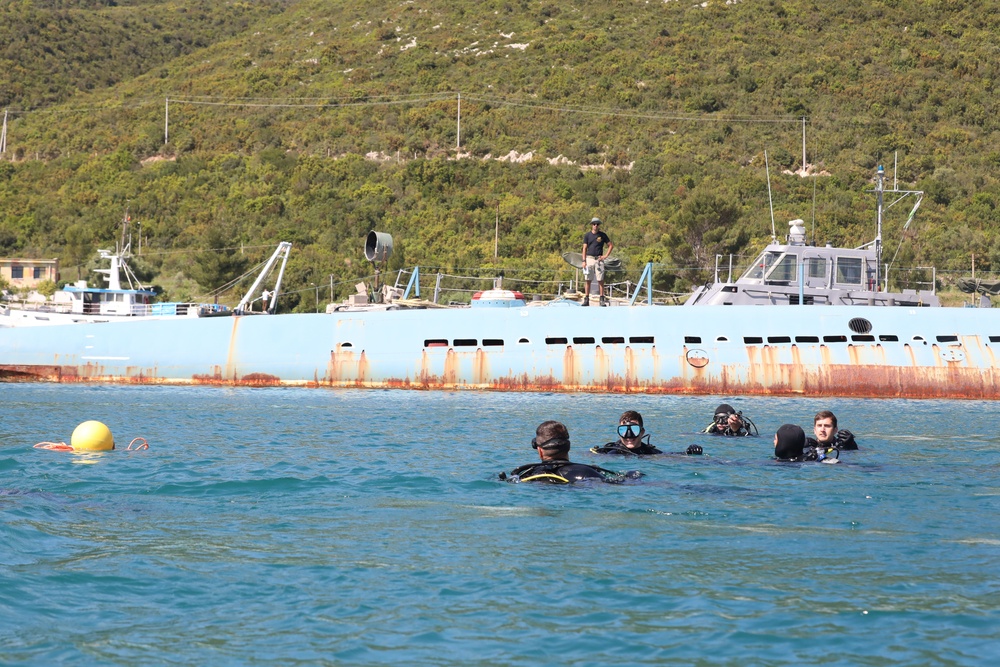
458 142
496 234
803 145
166 122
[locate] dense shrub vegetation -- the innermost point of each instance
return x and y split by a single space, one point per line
316 121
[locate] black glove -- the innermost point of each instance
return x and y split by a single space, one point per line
693 450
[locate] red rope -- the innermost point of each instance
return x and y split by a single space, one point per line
142 445
54 446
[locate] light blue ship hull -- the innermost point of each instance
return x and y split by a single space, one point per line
804 350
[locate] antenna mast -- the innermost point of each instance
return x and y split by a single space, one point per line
770 203
879 189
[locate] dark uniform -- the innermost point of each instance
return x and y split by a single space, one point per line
562 472
844 441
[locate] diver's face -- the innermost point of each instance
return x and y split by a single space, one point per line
824 430
630 432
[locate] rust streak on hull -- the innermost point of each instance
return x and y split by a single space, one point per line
950 380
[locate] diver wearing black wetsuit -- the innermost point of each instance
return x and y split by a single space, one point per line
552 442
728 422
634 441
828 436
790 445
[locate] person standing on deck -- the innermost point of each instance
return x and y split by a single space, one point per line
593 259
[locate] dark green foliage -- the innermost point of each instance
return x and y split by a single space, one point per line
52 49
664 109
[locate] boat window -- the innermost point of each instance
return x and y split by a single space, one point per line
523 340
492 342
694 340
888 338
465 342
343 345
583 340
556 341
807 339
641 339
785 270
436 342
762 265
721 339
995 339
947 339
779 339
613 340
863 338
119 297
918 338
849 270
752 340
834 339
816 266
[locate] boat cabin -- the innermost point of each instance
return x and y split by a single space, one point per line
93 301
798 273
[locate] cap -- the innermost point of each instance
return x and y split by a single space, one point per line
724 409
595 221
791 440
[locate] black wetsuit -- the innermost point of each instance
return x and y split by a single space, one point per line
844 441
619 449
561 472
724 429
643 449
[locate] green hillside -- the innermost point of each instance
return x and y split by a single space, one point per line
654 116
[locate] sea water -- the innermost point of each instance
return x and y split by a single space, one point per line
317 527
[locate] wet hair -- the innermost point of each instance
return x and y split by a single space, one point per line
825 414
791 442
630 416
725 409
551 435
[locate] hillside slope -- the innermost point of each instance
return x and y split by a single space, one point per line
674 103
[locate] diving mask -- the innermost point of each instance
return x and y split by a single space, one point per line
629 430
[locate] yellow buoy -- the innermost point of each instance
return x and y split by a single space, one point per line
92 436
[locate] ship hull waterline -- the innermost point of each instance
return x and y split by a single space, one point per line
796 351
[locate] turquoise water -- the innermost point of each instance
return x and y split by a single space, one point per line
284 526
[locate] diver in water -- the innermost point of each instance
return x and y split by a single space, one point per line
552 442
828 436
730 423
790 445
634 441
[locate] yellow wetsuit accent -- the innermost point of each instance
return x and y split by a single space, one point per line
558 479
